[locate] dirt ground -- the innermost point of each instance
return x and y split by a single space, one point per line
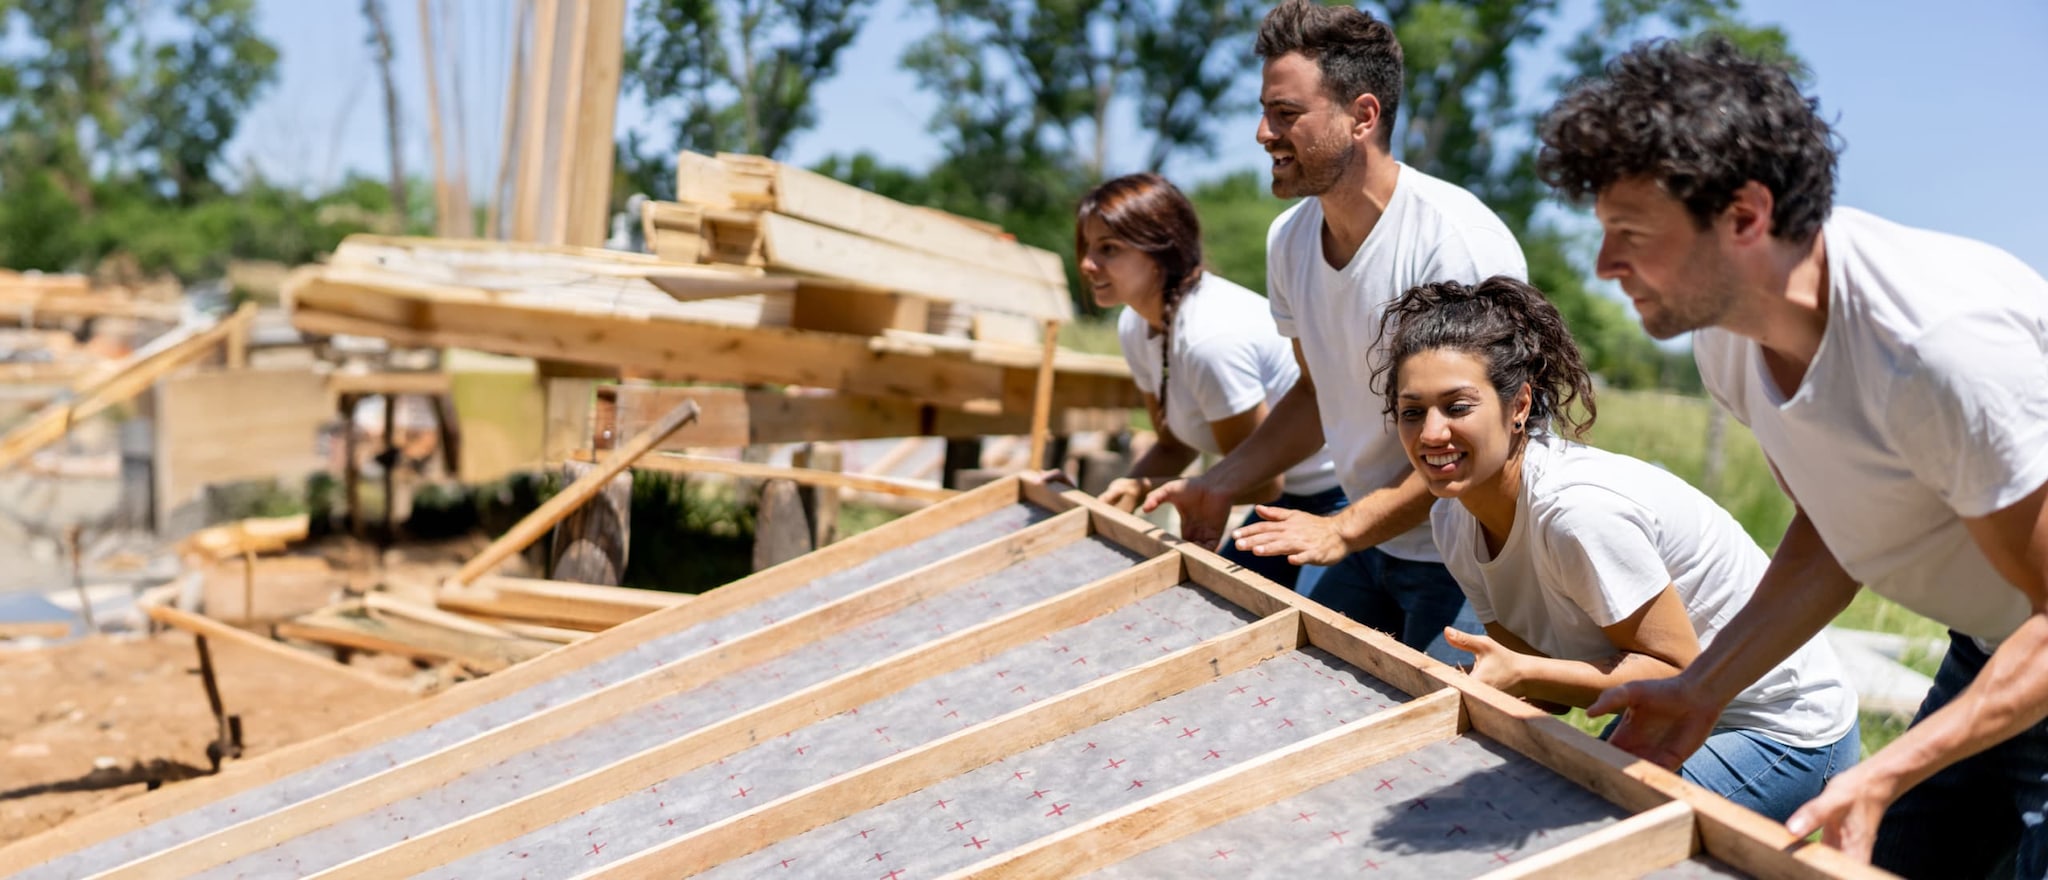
94 719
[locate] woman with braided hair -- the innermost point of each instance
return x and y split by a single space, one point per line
1587 568
1203 351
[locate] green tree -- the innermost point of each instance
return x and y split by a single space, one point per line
195 88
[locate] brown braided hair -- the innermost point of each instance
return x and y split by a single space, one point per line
1153 216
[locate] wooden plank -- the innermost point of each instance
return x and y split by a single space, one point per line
277 587
819 199
572 496
385 603
826 699
1041 399
164 803
690 464
582 606
252 535
1656 838
587 181
199 625
800 246
837 309
1227 794
39 629
437 769
735 417
353 628
121 381
537 121
942 759
424 382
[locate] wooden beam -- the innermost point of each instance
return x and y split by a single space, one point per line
200 625
1656 838
40 629
1041 399
807 248
352 627
691 464
942 759
544 517
574 605
426 382
1226 794
587 183
123 380
735 417
133 813
964 648
439 768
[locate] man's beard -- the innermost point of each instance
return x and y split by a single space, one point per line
1313 178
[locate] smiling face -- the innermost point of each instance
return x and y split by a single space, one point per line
1117 273
1675 273
1458 433
1310 137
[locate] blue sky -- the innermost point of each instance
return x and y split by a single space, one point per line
1941 105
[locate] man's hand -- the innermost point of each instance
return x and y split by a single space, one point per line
1493 663
1203 511
1663 721
1124 493
1304 538
1847 812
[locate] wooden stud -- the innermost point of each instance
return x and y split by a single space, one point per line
572 605
200 625
544 517
917 768
151 807
1226 794
687 464
736 417
1041 401
438 768
1655 838
815 703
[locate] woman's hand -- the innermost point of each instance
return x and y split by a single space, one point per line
1304 538
1493 663
1124 493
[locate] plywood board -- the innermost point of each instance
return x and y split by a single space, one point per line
228 425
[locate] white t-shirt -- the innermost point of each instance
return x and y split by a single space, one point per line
1596 536
1227 359
1927 402
1431 231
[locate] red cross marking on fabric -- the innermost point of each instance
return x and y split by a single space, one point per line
1263 703
1212 754
1302 817
1136 783
743 792
892 875
864 834
1286 722
1240 689
596 848
1500 858
1187 732
1058 810
878 856
942 803
1019 774
1223 854
785 863
1339 835
1387 783
1166 719
975 842
1039 793
1115 763
960 825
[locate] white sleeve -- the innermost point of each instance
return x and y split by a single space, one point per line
1968 410
1601 552
1223 372
1276 269
1473 255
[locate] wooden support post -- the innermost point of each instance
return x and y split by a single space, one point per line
573 496
249 585
72 544
237 345
821 503
388 457
351 472
781 530
591 544
1041 401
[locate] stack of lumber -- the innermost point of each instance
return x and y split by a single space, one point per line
865 263
29 297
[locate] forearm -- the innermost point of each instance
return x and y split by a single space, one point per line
1385 513
1164 461
1803 589
1579 682
1291 432
2009 696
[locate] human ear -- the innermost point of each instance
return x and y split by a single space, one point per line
1365 116
1749 212
1524 400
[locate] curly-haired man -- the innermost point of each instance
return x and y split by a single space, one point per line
1897 379
1367 229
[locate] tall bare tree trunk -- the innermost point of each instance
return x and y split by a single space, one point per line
380 45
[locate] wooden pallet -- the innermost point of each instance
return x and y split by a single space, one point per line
1010 683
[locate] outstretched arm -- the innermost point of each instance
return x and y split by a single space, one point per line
1655 642
1291 432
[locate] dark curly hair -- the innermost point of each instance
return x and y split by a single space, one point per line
1510 326
1152 215
1357 54
1701 120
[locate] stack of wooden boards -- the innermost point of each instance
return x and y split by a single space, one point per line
1010 683
36 298
864 263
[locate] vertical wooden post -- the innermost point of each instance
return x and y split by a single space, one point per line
351 473
821 503
390 458
237 343
1041 401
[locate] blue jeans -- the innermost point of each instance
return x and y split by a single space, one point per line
1978 815
1412 601
1762 774
1276 568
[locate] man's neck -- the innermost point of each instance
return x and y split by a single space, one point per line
1787 314
1354 206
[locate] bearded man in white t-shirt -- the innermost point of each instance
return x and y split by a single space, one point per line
1897 379
1369 229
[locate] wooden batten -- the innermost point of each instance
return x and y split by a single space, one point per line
1656 838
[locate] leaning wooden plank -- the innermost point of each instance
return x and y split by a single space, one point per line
850 555
200 625
799 246
1226 794
1656 838
851 690
819 199
691 464
127 378
565 502
387 604
981 744
568 719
